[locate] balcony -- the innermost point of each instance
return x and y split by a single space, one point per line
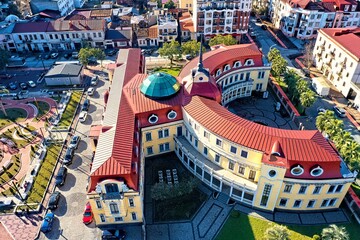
201 15
112 196
329 19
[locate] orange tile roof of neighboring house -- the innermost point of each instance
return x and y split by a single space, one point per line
95 130
348 39
153 31
300 3
101 13
299 147
212 59
187 25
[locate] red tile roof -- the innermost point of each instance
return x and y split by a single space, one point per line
76 25
299 147
211 59
153 31
30 27
348 39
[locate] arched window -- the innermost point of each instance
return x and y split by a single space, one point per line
249 62
111 188
227 67
218 72
237 64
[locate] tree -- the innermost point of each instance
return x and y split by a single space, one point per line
333 126
350 151
277 232
169 5
163 191
334 232
98 54
341 138
4 58
274 53
14 10
191 47
323 119
84 55
307 98
259 7
278 66
220 39
308 54
170 50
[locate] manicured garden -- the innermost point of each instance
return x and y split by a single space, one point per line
174 71
239 224
13 115
21 138
70 110
12 170
43 108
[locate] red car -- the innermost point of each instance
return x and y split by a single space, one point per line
87 217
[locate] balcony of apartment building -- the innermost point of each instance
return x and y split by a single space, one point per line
201 15
167 32
219 179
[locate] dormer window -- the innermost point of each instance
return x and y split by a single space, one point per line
249 62
316 171
218 72
227 68
153 119
111 188
297 170
237 64
171 115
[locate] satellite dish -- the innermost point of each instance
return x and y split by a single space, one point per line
98 189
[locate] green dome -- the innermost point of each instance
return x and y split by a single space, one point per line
159 85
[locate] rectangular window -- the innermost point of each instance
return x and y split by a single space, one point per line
332 202
150 150
325 203
317 190
161 148
148 137
196 142
163 133
339 188
311 204
167 146
205 150
133 216
186 133
119 219
219 142
164 147
206 134
302 189
252 175
231 165
114 208
217 158
233 149
241 170
244 154
265 195
297 203
283 202
287 188
258 86
191 138
331 189
102 218
131 202
98 204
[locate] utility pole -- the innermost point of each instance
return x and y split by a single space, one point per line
2 107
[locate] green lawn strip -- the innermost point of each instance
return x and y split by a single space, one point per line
70 110
254 228
172 71
43 108
13 115
12 171
180 208
24 139
43 177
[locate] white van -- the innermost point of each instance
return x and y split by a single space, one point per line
83 116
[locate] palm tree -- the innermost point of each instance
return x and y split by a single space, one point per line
334 232
277 232
307 98
350 151
334 126
341 138
323 118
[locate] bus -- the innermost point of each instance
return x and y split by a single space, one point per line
15 62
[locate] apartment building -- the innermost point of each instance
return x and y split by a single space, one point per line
221 17
64 7
337 56
303 19
186 4
167 28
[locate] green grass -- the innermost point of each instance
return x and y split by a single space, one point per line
180 208
43 108
13 115
70 110
12 171
43 177
174 71
253 228
24 139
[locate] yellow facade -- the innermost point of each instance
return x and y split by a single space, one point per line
110 208
186 4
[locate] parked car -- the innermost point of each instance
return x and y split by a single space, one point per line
83 116
12 86
54 55
90 91
31 84
4 202
54 200
340 111
47 223
87 216
113 234
61 176
188 57
67 55
46 56
86 105
111 52
75 55
94 81
69 156
264 27
23 86
74 142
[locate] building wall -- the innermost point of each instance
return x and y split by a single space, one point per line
57 81
186 4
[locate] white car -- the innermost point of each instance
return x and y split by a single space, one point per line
54 55
31 84
94 81
83 116
90 91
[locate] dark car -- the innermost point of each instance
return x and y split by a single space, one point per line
23 86
86 105
12 86
46 56
113 234
47 223
340 111
69 156
54 200
74 142
264 27
258 20
67 55
61 176
111 52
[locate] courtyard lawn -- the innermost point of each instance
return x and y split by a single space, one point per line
43 108
21 140
70 110
180 208
43 177
254 228
12 171
13 115
172 71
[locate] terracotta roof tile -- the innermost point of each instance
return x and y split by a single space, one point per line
153 31
76 25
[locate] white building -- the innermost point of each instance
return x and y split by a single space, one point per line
64 74
337 56
303 19
63 6
221 17
167 28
